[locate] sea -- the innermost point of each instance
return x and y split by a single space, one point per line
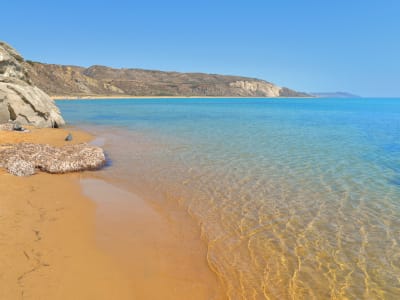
295 198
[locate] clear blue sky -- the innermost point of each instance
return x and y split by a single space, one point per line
308 45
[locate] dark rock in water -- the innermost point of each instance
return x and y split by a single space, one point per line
68 138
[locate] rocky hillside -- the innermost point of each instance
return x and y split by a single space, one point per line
20 100
60 80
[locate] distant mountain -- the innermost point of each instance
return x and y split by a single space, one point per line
335 95
61 80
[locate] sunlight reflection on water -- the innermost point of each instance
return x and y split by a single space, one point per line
296 198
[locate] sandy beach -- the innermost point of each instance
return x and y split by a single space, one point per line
47 235
56 243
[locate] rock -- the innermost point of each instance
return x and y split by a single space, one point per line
10 126
17 158
19 167
11 63
68 138
7 127
17 127
256 87
20 100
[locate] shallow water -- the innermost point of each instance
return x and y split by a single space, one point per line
161 258
296 198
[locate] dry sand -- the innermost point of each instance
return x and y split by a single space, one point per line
55 243
47 235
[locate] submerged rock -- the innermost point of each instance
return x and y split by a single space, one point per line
20 100
19 159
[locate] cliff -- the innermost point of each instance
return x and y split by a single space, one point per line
20 100
61 80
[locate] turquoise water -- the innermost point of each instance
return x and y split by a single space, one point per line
296 198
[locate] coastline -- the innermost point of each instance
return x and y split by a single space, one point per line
67 98
73 236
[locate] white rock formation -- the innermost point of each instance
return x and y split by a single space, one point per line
261 88
20 100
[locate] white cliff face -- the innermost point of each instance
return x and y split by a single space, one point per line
10 63
257 88
20 100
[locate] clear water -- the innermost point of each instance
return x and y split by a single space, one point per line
296 198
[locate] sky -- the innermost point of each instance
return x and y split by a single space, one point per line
306 45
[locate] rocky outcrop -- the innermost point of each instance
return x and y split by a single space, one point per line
20 100
59 80
23 159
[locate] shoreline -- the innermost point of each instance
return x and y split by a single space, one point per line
67 98
72 235
160 249
47 233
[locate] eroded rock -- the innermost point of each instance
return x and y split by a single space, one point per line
20 100
18 159
19 167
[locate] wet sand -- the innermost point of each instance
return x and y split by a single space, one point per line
56 243
159 250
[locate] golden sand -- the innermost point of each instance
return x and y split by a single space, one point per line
55 243
160 251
